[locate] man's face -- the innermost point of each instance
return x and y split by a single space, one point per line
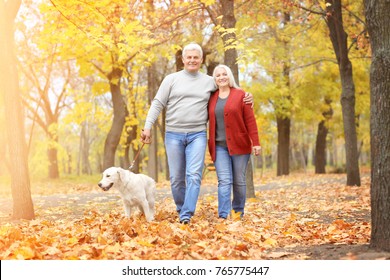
192 60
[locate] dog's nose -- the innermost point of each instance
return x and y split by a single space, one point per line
100 184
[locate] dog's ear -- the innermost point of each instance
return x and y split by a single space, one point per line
121 174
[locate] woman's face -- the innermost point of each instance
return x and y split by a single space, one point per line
192 60
221 77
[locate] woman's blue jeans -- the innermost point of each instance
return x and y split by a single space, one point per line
186 153
231 174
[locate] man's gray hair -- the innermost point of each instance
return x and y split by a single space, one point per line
193 47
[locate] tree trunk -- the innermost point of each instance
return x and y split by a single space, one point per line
283 161
322 133
320 155
131 134
53 162
230 59
119 112
229 37
84 150
3 150
153 147
52 152
135 149
69 161
283 121
51 109
378 25
163 129
250 187
125 160
338 37
179 61
9 87
152 166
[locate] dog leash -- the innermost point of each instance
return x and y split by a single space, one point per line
136 156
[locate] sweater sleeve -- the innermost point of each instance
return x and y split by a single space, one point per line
159 102
154 112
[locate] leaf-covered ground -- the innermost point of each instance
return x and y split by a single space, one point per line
296 217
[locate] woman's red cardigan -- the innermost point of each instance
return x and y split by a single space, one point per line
240 124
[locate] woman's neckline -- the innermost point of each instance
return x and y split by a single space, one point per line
224 93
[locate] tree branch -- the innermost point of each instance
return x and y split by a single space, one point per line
313 63
354 15
61 97
321 13
354 41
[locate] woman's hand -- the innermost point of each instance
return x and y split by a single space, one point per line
256 150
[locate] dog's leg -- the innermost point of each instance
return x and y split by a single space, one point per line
145 209
151 207
150 196
151 204
127 209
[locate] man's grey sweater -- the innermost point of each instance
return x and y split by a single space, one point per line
185 95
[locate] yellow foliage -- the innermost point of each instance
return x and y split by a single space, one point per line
207 2
24 253
100 87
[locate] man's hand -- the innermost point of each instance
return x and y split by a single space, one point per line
256 150
248 99
146 136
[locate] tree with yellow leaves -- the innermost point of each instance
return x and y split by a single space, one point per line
20 180
106 37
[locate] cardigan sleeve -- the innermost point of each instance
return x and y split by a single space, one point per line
250 122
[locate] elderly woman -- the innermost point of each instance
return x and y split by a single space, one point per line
232 137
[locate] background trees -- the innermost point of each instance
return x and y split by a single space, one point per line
282 53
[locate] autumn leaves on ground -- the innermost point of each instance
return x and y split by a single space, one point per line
301 210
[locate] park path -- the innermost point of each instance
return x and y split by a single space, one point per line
76 204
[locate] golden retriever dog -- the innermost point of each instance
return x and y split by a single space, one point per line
136 190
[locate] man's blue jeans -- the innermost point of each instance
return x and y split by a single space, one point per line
231 173
186 153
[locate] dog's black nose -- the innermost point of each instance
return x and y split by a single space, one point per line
100 184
